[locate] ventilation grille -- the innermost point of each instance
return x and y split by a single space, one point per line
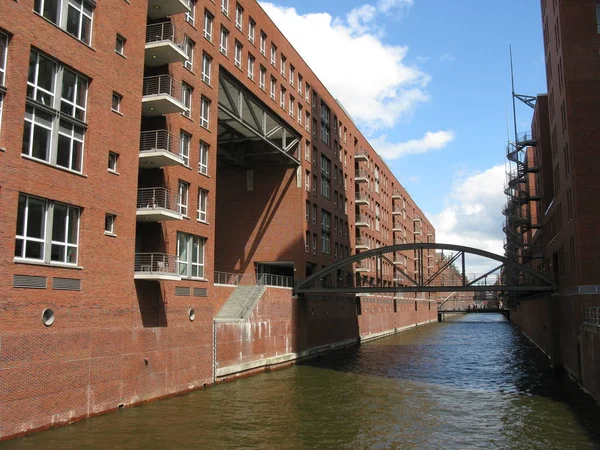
66 284
29 282
182 291
200 292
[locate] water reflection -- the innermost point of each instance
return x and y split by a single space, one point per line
472 382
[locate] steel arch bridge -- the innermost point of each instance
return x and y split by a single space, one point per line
338 279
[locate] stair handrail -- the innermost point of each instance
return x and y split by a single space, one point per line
253 297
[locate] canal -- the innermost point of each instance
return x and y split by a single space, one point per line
471 382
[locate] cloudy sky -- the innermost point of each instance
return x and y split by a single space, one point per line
428 82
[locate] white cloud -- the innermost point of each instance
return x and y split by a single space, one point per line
379 90
414 179
447 58
431 141
473 215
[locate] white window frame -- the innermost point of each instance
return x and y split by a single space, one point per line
300 82
186 99
224 41
109 224
262 77
190 16
292 106
300 113
292 74
188 48
282 94
263 43
3 57
185 140
251 30
186 244
116 98
113 162
283 63
203 158
250 66
120 44
83 9
225 7
273 88
208 25
237 54
202 206
239 16
206 68
48 239
183 197
273 55
205 113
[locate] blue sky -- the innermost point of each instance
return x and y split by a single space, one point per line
453 79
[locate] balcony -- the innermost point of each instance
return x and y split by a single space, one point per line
155 266
362 244
361 176
399 262
397 227
361 199
163 45
158 9
159 148
396 194
361 267
157 205
361 155
362 221
161 95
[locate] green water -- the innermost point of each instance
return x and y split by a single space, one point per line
472 382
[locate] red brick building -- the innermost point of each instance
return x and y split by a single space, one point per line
559 233
153 156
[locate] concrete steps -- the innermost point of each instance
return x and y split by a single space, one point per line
233 309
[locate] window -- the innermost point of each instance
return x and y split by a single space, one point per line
598 17
292 72
251 30
326 232
202 202
237 54
300 114
204 112
225 7
223 43
190 16
239 16
263 43
109 223
282 97
325 177
272 88
307 151
307 242
273 55
206 68
307 93
307 212
262 77
56 138
112 162
188 48
251 67
307 122
182 197
3 56
47 231
314 214
203 159
307 181
325 123
120 45
190 255
186 99
314 185
299 84
73 16
208 26
184 147
314 244
116 102
292 106
282 68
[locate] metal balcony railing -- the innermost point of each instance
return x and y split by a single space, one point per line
233 279
155 263
164 32
361 173
363 242
362 219
396 194
157 198
359 197
361 153
162 85
151 141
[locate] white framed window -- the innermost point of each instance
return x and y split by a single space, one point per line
292 106
109 223
300 114
251 30
3 57
120 45
307 242
188 48
314 244
282 65
273 55
190 16
325 113
307 181
263 43
47 231
225 7
204 112
186 99
239 16
50 136
262 77
307 93
223 41
184 147
237 54
251 67
183 197
208 26
190 255
292 75
73 16
300 84
273 88
282 97
202 205
206 68
203 158
116 102
314 213
307 122
113 159
307 151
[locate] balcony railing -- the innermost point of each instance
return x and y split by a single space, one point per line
362 221
396 194
161 95
157 204
361 199
361 154
361 175
363 243
156 266
164 44
159 148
